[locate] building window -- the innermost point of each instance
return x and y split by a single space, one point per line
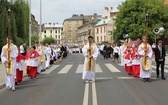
58 31
69 28
44 31
97 30
104 29
69 34
101 29
69 22
50 31
51 36
97 39
55 31
44 36
59 36
77 22
55 36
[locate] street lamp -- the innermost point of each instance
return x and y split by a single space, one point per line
89 30
126 36
147 22
30 22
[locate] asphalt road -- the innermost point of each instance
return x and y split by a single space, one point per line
62 85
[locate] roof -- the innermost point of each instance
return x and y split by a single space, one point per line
78 17
103 21
53 25
113 10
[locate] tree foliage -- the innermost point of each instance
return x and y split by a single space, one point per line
19 21
49 40
131 18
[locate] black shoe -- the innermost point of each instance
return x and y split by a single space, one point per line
163 78
144 79
148 79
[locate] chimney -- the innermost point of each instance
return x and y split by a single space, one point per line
106 8
95 16
118 7
111 8
81 14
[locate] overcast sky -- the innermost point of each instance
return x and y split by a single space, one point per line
58 10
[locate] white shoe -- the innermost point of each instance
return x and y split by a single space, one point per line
13 88
8 87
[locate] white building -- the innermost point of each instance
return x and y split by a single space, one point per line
53 30
105 27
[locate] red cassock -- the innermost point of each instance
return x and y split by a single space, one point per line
128 65
136 64
19 69
27 58
33 64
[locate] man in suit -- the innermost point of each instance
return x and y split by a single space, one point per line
160 54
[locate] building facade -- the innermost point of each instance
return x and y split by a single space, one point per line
53 30
70 28
105 27
34 25
87 29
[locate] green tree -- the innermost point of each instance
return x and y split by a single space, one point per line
49 40
131 18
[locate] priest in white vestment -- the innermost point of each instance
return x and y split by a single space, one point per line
90 52
10 63
145 51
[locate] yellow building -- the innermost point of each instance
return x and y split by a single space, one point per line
70 28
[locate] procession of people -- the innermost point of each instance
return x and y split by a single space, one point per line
35 60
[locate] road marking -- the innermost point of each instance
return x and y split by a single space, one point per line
98 69
52 68
71 62
103 78
112 68
125 77
86 94
65 69
165 70
80 68
94 94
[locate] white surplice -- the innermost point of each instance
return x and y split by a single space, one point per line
10 79
48 54
145 73
89 75
122 55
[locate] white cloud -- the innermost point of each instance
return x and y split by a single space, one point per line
58 10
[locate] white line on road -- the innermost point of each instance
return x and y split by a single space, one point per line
112 68
94 94
103 78
65 69
165 70
86 94
125 77
98 69
52 68
79 68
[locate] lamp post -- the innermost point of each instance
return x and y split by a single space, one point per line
89 30
30 22
147 23
8 33
40 31
126 37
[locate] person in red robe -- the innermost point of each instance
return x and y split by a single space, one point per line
33 64
128 58
19 69
136 63
27 60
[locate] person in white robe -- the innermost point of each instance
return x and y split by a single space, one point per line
10 65
90 52
122 47
145 52
48 55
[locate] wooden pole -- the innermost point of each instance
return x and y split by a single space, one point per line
8 36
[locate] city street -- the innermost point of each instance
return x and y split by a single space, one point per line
62 84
